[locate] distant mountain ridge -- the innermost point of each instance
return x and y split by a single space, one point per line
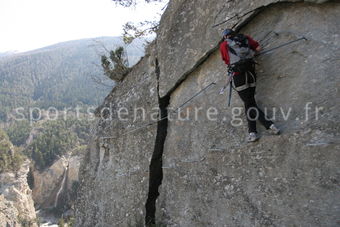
7 53
60 75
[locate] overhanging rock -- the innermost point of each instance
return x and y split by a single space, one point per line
187 33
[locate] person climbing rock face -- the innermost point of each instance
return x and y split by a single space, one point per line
238 51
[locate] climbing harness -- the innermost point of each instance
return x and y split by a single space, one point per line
230 75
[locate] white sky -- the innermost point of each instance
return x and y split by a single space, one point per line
31 24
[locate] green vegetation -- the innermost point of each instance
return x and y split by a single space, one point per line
132 31
27 223
55 139
61 222
79 150
63 75
18 132
10 160
30 178
69 222
116 66
56 77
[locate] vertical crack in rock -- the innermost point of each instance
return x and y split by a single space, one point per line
155 168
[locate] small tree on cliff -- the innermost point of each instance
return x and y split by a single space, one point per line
132 30
116 65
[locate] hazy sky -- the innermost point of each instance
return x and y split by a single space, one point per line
31 24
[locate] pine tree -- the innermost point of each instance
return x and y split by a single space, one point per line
116 66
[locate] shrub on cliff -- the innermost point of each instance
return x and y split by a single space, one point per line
116 65
10 160
18 132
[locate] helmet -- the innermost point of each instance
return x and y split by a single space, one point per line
227 32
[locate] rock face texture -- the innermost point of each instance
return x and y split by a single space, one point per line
114 175
57 178
208 175
16 203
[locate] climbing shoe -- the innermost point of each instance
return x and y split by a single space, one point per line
274 130
252 137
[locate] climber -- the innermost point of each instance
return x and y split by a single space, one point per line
237 51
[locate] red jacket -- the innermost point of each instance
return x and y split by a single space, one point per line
225 53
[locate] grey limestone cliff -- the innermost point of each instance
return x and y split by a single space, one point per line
16 203
193 170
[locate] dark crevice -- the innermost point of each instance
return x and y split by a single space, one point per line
155 168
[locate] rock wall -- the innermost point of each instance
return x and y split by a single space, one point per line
115 171
208 175
189 31
48 182
16 203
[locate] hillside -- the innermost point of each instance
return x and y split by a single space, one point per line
7 53
60 75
